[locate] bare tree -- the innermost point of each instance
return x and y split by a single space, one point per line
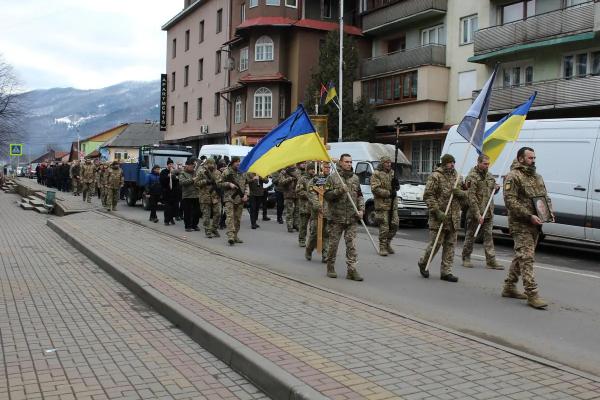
12 111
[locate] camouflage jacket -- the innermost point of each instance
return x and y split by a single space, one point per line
114 178
382 189
187 183
88 173
75 171
521 185
288 178
208 185
340 208
104 177
302 189
313 197
98 172
437 194
236 177
480 186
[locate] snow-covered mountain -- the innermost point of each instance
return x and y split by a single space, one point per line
55 116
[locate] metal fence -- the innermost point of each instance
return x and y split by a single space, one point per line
402 60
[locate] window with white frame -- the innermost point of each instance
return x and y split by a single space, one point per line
517 73
281 106
272 2
238 110
243 59
425 156
252 3
263 50
291 3
243 12
467 83
434 35
327 9
263 103
581 64
468 26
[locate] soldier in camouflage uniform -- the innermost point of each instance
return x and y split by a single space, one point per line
114 182
317 209
235 193
97 183
382 187
88 177
302 188
480 186
343 216
209 178
102 182
288 178
75 174
440 186
521 185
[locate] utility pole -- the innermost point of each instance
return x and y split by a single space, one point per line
341 71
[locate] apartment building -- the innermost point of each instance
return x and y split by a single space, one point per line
196 73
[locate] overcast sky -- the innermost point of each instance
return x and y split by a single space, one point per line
85 44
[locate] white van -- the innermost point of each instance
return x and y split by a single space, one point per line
218 151
365 159
568 158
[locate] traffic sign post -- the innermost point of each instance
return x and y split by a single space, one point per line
16 149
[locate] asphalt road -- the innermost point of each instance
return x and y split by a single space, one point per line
569 278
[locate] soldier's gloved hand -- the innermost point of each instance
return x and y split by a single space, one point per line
457 192
343 189
440 216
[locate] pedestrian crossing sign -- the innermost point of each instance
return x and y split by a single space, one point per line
16 149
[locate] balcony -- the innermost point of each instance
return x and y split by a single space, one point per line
389 17
554 24
557 93
403 60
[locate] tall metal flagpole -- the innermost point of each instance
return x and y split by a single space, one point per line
341 70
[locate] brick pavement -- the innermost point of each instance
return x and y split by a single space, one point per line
108 344
339 346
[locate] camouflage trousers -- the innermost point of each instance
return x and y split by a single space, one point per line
488 240
387 230
75 183
335 234
447 241
87 189
233 218
103 195
112 197
291 213
211 212
311 243
522 264
303 227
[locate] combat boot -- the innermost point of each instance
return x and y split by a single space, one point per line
513 293
331 271
353 275
216 233
290 230
467 262
422 270
494 265
208 234
535 301
389 249
302 244
308 254
383 250
231 241
238 240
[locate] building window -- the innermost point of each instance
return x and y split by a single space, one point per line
468 26
218 62
581 64
282 111
238 110
252 3
263 103
187 40
595 63
186 75
172 81
433 35
568 67
517 11
244 59
529 75
201 69
121 155
174 48
217 104
291 3
185 111
172 115
263 50
201 33
272 2
425 156
467 83
327 8
199 108
391 89
242 12
571 3
219 20
396 44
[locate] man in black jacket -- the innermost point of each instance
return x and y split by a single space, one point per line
170 188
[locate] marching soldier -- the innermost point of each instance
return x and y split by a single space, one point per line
342 216
440 186
302 188
88 177
75 173
386 205
480 186
288 178
234 184
208 181
316 209
521 186
190 196
114 183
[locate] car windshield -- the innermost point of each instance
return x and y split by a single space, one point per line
405 173
161 159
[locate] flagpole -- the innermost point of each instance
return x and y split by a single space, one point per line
341 64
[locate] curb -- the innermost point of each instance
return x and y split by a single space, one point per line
262 372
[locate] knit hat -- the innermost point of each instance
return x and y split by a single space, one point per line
447 158
385 159
234 159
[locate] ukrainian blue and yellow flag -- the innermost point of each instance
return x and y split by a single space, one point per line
292 141
331 93
505 130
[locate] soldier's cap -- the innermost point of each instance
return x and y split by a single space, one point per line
210 161
189 162
310 165
385 159
447 158
234 159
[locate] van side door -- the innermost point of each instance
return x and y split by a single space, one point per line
593 218
364 170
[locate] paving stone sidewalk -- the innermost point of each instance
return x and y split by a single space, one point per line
69 331
341 347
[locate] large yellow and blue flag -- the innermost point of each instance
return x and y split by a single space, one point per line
505 130
292 141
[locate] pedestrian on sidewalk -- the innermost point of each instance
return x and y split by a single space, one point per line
521 186
154 191
170 183
115 182
88 177
302 188
439 188
480 186
210 197
234 184
383 188
343 217
189 196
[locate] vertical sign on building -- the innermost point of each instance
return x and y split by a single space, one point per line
163 102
